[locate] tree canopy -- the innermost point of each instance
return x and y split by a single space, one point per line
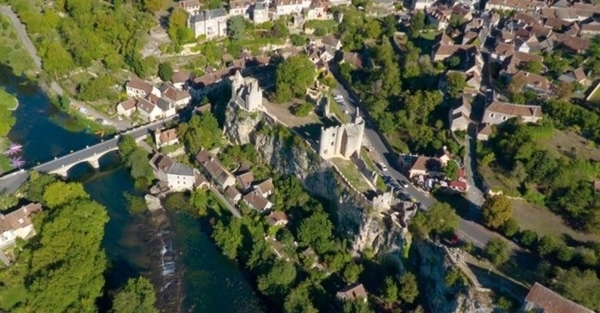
201 132
497 251
293 76
496 211
137 296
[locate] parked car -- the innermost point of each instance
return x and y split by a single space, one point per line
83 110
383 167
403 183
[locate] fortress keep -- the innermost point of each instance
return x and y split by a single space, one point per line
342 141
246 93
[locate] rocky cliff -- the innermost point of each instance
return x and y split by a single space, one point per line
289 154
433 265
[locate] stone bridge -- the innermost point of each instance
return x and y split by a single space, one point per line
90 154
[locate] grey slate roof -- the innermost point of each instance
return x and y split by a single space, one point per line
180 169
208 15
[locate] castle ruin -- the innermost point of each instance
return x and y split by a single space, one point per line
342 141
246 93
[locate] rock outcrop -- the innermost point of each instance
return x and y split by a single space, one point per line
433 264
289 154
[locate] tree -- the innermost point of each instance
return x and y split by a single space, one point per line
497 251
455 84
60 193
356 306
352 272
516 84
137 296
178 25
140 167
546 245
201 132
228 238
579 286
564 90
236 28
441 219
293 76
390 290
409 289
452 61
37 185
316 231
297 40
7 201
165 71
510 228
68 253
152 6
528 238
127 145
298 301
451 170
496 211
534 67
303 110
135 204
278 280
417 23
199 200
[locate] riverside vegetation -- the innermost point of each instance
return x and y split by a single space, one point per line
61 269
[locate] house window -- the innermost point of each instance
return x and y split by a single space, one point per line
492 115
504 118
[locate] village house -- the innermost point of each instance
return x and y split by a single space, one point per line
574 76
484 131
209 23
166 137
126 108
148 111
502 51
533 82
442 51
570 43
265 188
515 5
257 201
421 4
232 194
240 8
137 88
542 299
439 19
318 10
180 79
423 165
352 293
512 64
178 97
277 218
215 170
190 6
178 177
201 181
167 108
17 224
245 180
260 12
210 81
332 42
459 116
499 112
286 7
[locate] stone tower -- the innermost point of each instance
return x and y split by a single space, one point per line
246 93
342 141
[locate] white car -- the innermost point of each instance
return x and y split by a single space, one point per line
83 110
383 167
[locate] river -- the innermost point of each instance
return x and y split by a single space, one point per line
163 248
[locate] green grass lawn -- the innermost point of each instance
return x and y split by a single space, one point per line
328 26
351 173
13 290
544 222
337 110
398 144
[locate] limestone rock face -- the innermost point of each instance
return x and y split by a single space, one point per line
433 265
291 155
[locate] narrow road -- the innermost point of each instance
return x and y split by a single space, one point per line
467 230
22 33
229 206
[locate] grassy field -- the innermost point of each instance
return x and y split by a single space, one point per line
572 145
397 143
544 222
337 110
351 173
12 52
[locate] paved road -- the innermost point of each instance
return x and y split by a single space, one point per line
22 33
467 230
11 182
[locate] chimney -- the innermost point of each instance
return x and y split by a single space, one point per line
25 209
